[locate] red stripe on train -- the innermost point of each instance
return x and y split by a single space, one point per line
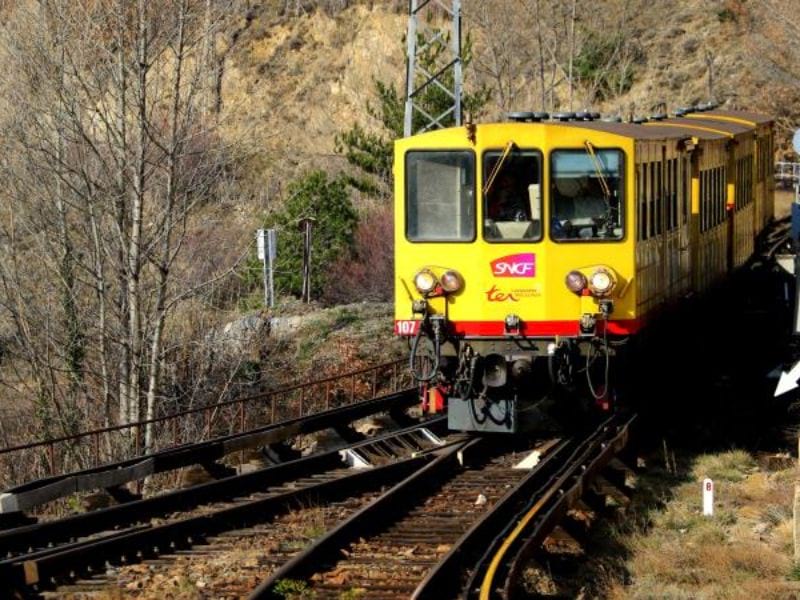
529 328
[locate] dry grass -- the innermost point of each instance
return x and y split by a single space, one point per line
743 551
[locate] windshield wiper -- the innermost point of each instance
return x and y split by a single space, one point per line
598 167
496 170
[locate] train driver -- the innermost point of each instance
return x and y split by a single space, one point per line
505 202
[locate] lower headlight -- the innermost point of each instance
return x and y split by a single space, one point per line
425 281
601 282
575 281
451 281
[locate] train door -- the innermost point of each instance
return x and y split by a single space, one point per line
759 195
732 202
676 227
695 222
649 251
684 175
670 248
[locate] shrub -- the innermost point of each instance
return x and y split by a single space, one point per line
367 272
328 203
598 62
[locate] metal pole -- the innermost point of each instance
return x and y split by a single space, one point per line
411 67
457 77
271 254
795 215
305 226
267 276
263 253
308 264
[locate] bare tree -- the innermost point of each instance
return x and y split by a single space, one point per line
105 123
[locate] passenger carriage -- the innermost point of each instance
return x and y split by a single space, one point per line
528 252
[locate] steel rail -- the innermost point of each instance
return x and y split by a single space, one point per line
113 474
368 518
47 567
24 539
548 506
438 583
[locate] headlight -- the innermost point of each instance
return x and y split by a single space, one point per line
601 282
451 282
425 281
576 281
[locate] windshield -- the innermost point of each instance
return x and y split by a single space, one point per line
586 188
513 202
440 197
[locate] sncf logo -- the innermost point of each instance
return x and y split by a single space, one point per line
515 265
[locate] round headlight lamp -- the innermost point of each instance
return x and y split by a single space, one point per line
451 282
576 282
601 282
425 281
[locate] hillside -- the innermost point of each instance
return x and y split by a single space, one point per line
292 83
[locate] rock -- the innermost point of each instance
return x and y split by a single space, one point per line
368 427
481 500
285 327
96 500
318 441
760 528
239 336
193 475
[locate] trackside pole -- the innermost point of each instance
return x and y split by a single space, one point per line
796 250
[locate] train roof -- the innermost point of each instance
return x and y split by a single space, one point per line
705 125
738 115
630 130
705 129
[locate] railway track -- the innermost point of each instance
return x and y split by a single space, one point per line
428 536
111 476
176 521
458 520
497 573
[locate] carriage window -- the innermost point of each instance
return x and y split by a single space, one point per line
659 200
512 196
651 202
641 182
586 195
686 188
440 196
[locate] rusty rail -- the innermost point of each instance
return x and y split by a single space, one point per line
58 455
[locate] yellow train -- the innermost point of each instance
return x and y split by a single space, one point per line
527 251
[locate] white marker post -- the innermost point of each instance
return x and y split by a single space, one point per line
708 498
266 244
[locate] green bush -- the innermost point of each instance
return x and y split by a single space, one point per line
327 202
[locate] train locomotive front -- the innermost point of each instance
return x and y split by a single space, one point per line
514 255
